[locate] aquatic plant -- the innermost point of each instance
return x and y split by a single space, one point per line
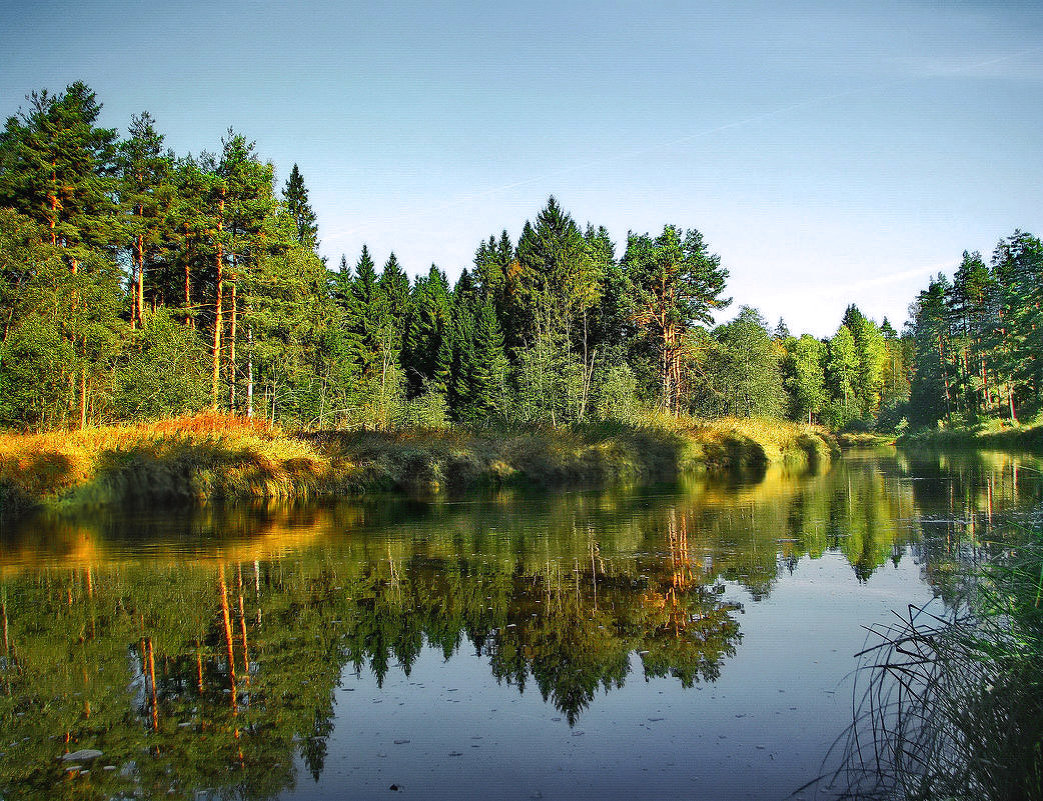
950 705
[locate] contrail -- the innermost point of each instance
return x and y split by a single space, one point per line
629 154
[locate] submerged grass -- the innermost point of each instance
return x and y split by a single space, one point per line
222 457
952 706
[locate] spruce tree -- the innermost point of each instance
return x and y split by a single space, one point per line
489 366
558 279
295 199
429 342
394 284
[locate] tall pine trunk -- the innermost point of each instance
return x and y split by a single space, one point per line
231 353
139 292
218 318
249 372
189 320
218 324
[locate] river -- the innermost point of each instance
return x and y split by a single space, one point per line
683 641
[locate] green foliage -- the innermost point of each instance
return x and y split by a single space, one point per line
805 377
871 355
616 397
841 377
97 235
558 279
745 368
162 373
295 199
676 284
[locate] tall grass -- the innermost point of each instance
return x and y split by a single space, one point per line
218 456
989 434
951 707
199 457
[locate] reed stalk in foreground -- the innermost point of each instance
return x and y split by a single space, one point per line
950 706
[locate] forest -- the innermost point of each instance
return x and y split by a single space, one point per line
138 284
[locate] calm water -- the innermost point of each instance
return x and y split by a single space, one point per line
686 642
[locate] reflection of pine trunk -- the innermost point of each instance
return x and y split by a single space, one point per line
227 619
152 684
199 668
3 607
242 626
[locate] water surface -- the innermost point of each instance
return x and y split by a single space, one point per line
694 641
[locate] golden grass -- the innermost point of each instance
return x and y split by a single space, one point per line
198 457
214 456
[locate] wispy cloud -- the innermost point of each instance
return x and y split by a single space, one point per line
850 289
1025 65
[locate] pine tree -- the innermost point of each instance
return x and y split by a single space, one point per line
147 194
929 399
969 296
246 204
1017 266
57 168
677 284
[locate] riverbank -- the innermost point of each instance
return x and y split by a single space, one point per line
215 457
1027 438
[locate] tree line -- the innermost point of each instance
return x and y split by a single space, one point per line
978 338
136 283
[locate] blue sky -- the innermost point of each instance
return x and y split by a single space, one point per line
829 152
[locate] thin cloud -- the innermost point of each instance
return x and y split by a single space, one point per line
851 289
1026 66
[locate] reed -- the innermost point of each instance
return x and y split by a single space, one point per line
951 706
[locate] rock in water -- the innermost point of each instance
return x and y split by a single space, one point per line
79 756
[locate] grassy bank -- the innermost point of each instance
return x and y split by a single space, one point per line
1025 437
212 457
853 439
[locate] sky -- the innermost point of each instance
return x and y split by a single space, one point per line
829 152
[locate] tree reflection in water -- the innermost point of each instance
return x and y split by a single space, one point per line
201 651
